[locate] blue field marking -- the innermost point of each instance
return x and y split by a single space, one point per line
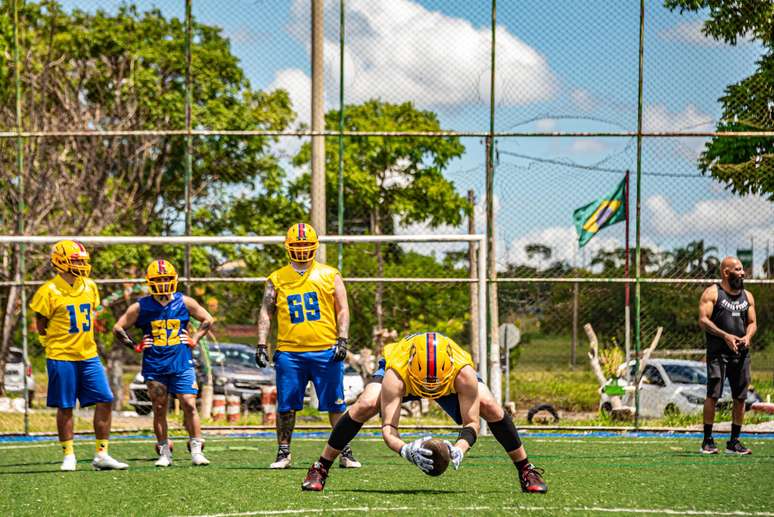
376 434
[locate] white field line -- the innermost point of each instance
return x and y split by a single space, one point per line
566 509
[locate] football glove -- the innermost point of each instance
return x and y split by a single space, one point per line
418 455
340 349
147 340
261 356
455 453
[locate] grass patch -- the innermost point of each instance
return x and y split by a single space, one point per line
611 473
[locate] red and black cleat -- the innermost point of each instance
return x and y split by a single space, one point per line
532 480
315 478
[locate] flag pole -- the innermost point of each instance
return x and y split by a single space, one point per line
627 302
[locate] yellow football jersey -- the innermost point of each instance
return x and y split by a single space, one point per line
306 317
70 312
397 355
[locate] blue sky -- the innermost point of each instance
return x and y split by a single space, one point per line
562 66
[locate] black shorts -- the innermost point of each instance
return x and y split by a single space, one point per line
736 368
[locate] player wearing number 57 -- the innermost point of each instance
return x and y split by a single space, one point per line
167 363
64 307
310 301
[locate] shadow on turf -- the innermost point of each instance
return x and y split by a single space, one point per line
411 491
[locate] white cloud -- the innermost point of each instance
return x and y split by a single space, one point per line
398 50
583 100
656 117
690 32
588 146
545 124
712 216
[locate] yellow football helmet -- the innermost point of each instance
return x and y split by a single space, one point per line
431 364
301 243
71 257
162 277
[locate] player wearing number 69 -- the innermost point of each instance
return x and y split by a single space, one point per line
310 302
64 308
167 363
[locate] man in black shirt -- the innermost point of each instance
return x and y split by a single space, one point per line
727 316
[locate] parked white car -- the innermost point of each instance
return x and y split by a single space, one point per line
668 387
14 374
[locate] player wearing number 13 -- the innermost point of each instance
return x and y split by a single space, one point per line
310 302
64 308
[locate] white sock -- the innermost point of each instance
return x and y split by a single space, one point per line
196 445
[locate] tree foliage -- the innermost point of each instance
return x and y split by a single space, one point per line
745 165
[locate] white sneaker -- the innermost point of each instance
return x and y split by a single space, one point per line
197 458
283 461
106 462
165 456
347 459
164 461
68 463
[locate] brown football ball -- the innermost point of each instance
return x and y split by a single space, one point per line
441 457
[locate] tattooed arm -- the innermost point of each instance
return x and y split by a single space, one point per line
341 306
268 305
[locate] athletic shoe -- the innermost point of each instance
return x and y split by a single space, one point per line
198 459
736 447
347 459
532 480
68 463
708 446
315 478
164 461
106 462
282 462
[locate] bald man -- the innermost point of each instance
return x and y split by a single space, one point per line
727 316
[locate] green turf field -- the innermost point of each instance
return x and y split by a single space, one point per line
586 476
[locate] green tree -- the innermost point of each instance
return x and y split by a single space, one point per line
390 180
123 71
745 165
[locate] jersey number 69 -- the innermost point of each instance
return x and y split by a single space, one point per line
304 306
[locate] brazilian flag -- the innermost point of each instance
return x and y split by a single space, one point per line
591 218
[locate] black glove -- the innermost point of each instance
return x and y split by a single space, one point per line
261 356
340 349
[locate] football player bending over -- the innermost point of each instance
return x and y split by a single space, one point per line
432 366
167 364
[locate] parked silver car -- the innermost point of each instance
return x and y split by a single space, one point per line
668 387
14 374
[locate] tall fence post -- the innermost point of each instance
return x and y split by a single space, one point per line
638 272
495 376
21 264
318 124
473 273
188 143
340 254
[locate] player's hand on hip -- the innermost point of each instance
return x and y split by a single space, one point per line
455 453
340 349
418 455
185 339
261 356
147 341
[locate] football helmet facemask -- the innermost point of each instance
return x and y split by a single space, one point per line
301 243
71 257
162 278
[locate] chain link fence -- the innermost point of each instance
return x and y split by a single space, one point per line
113 134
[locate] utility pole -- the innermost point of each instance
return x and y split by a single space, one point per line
318 124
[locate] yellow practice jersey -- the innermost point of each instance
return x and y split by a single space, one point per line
70 313
397 355
306 317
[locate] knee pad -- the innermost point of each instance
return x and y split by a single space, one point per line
505 432
344 431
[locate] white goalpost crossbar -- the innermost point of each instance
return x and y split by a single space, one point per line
479 239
